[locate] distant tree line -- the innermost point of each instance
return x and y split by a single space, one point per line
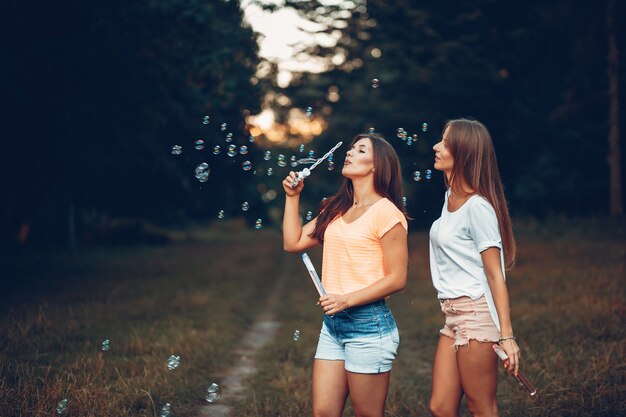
541 75
95 94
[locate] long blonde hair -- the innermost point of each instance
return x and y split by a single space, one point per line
470 144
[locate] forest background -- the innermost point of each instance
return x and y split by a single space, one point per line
96 94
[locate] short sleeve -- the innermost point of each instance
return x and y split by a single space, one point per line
483 225
387 217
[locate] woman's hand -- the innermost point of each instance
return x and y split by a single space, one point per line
514 354
333 303
289 190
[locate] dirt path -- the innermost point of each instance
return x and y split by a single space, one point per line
261 332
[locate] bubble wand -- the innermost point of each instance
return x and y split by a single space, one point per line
314 277
521 378
300 175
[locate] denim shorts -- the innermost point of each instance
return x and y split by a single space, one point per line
365 337
468 319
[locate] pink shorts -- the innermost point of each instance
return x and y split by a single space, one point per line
467 319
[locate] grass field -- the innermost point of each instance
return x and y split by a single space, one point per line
197 297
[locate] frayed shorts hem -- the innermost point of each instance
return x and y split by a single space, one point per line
468 319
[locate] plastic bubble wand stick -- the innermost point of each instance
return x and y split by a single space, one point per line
300 175
313 273
521 378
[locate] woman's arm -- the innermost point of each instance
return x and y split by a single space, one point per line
295 237
500 294
396 258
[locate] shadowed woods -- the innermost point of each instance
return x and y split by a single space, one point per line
198 298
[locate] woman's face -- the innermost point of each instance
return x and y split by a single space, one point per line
443 158
359 160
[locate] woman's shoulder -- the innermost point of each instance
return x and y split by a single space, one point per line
479 204
478 200
386 205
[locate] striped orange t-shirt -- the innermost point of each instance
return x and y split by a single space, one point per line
352 255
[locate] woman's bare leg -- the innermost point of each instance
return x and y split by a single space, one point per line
368 393
446 384
478 370
330 388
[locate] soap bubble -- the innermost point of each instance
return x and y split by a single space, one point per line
301 148
415 137
281 160
294 161
331 165
267 155
424 127
245 206
417 176
206 120
106 345
375 83
428 173
270 172
199 144
220 214
229 137
404 201
243 149
223 127
62 407
309 111
232 150
259 224
177 150
309 216
251 139
166 410
311 153
173 362
216 150
213 393
247 166
371 130
202 172
296 335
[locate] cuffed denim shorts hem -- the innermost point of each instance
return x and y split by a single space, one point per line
365 337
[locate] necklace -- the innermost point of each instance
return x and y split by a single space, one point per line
363 204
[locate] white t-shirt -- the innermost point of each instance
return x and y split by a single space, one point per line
456 241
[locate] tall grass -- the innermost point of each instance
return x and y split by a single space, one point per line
197 298
567 305
193 299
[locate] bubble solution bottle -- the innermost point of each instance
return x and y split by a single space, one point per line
521 378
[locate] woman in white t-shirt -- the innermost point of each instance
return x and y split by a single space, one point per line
471 244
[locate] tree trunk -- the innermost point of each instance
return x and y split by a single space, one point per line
615 189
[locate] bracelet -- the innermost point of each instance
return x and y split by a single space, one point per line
502 339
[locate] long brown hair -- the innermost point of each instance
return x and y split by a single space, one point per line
387 183
470 144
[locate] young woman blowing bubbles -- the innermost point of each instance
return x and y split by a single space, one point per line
470 246
364 231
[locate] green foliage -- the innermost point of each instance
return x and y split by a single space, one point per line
96 95
534 73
